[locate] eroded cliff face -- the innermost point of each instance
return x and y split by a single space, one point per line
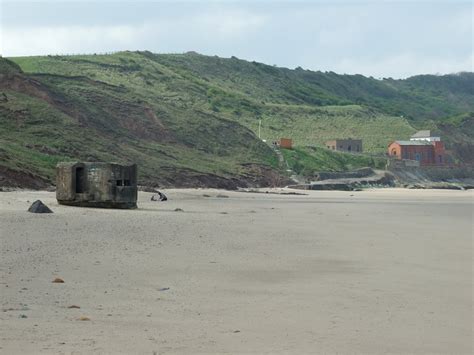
49 118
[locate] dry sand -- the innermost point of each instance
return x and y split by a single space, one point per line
387 271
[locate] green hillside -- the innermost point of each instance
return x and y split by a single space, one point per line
192 120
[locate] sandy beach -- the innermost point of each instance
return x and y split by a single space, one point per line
369 272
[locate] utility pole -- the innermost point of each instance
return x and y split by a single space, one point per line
259 127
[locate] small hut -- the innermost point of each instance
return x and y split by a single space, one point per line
345 145
286 143
95 184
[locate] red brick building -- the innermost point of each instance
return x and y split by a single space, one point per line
425 152
286 143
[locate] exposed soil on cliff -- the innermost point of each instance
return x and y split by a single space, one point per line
20 179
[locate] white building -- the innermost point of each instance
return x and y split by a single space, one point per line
425 136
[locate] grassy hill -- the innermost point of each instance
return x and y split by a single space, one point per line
189 119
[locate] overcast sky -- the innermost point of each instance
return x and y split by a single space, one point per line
375 38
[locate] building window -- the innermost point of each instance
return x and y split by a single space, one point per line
124 182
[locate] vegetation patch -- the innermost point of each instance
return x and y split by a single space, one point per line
306 161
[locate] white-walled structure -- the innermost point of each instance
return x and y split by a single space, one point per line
425 136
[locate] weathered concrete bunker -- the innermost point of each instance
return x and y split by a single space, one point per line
95 184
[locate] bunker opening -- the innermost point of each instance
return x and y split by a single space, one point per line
80 180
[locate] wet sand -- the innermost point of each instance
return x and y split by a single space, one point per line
379 271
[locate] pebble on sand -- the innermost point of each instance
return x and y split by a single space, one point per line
84 318
58 280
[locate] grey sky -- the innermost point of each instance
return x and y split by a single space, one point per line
374 38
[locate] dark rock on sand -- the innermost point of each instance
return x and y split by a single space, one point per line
39 207
159 197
